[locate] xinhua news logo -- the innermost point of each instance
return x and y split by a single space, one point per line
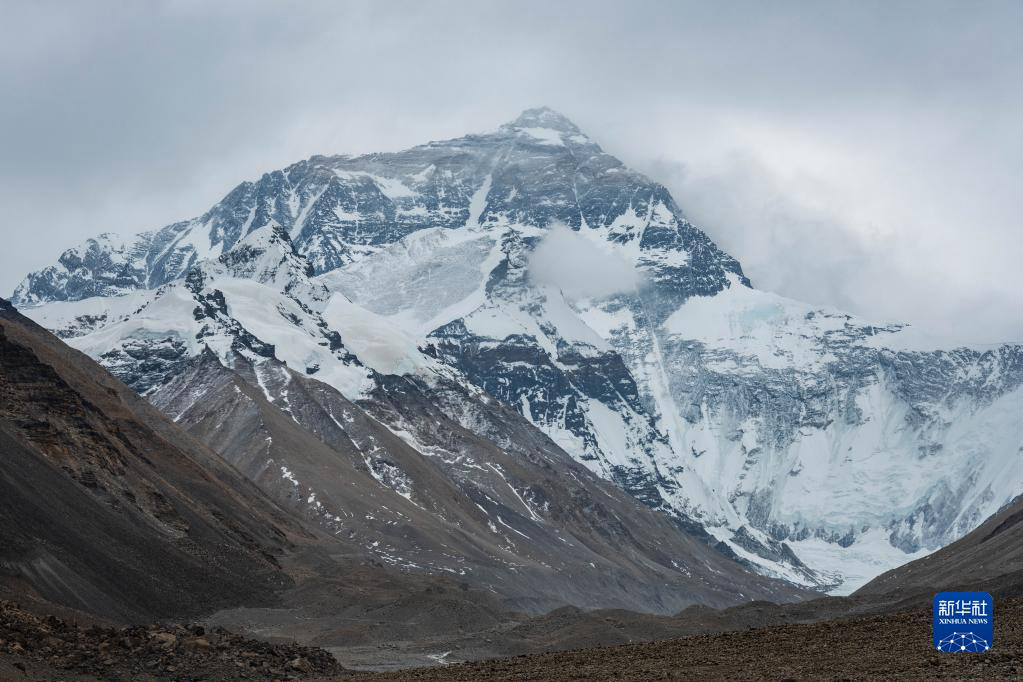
964 621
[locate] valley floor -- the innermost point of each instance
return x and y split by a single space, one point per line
890 647
894 646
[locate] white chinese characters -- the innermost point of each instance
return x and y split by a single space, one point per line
962 607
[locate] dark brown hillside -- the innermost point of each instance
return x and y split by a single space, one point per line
107 507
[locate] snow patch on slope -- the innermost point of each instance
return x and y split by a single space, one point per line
547 136
375 340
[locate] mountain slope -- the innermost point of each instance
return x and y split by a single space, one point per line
107 507
812 445
399 476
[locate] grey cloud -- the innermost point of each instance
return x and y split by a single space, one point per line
569 261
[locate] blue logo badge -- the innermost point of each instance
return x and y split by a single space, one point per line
964 621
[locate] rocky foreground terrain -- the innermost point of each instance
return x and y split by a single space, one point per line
51 648
893 646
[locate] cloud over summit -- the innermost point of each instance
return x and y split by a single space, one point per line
568 260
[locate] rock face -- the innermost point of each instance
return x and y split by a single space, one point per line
528 264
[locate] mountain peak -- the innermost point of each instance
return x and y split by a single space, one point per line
268 255
544 117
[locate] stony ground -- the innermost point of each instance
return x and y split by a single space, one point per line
50 648
890 647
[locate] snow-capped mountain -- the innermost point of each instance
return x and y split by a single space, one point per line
529 264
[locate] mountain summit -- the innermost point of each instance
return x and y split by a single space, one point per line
544 117
802 442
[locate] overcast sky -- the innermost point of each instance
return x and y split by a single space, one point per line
866 155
